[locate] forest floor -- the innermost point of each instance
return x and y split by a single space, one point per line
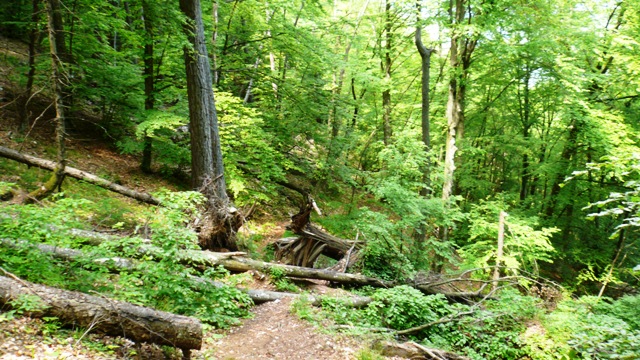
272 333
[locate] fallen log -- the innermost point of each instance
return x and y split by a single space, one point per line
235 263
117 264
412 350
111 317
78 174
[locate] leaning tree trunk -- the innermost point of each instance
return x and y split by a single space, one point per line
116 318
57 78
207 169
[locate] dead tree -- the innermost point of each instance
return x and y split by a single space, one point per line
311 241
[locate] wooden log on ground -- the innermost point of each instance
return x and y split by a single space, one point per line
78 174
111 317
234 262
412 350
118 264
244 264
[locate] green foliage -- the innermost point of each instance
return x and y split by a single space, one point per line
28 303
489 332
368 354
524 246
404 307
589 328
281 282
163 284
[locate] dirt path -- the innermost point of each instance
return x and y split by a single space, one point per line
275 333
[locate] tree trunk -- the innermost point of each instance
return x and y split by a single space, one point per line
111 317
311 241
207 169
460 59
386 94
412 350
206 155
57 78
117 264
149 84
77 174
425 56
34 39
526 126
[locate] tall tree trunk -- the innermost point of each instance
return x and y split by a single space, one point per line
34 39
526 126
57 79
425 56
207 169
149 83
386 94
459 58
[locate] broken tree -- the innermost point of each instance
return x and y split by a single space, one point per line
111 317
312 241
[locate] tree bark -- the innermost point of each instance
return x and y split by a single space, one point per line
460 59
34 39
77 174
386 94
312 241
57 78
207 169
425 56
111 317
149 83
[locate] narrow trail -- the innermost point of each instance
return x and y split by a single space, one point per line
275 333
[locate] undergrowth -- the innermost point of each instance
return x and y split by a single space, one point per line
163 283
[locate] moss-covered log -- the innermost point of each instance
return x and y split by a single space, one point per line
111 317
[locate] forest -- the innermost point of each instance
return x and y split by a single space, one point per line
430 179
